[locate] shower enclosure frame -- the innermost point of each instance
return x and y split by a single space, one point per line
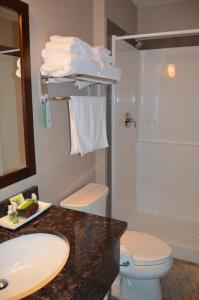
137 37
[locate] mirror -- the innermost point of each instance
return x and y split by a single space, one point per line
17 157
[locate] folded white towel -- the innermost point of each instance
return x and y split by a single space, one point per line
88 124
66 58
102 54
70 44
46 52
73 48
68 65
65 70
69 39
111 72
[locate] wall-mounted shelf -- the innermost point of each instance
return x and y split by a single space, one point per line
78 77
93 85
91 80
45 98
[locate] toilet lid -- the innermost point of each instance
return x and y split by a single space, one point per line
146 249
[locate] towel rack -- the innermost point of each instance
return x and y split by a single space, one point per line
79 77
45 98
45 80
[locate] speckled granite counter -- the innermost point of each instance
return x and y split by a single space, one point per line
93 262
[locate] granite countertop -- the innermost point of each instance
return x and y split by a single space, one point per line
93 262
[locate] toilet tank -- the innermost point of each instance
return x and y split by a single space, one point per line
92 199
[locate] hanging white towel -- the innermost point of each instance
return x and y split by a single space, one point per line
87 124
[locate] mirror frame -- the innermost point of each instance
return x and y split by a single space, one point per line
30 169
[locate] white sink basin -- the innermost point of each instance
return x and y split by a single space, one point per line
29 262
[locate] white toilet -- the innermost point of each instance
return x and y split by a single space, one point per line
90 199
149 258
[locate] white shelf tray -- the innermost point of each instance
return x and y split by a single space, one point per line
6 223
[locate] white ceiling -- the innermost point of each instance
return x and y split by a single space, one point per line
144 3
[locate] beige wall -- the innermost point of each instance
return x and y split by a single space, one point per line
99 22
177 16
58 174
9 21
123 13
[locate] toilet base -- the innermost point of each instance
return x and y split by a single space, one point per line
125 288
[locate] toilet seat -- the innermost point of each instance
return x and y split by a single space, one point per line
151 257
147 250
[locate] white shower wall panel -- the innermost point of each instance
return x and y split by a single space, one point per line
168 133
169 106
167 180
125 138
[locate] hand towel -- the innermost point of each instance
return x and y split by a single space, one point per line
87 124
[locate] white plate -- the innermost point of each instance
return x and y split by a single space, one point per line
6 223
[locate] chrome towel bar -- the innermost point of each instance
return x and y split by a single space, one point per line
45 98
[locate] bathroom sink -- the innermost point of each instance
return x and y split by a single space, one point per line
29 262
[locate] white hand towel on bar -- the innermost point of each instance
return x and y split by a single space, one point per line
87 124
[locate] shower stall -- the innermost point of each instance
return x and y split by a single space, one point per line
155 148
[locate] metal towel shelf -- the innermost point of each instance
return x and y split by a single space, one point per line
45 80
45 98
79 77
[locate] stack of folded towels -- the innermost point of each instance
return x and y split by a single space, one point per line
64 56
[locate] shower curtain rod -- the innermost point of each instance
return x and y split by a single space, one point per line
157 35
